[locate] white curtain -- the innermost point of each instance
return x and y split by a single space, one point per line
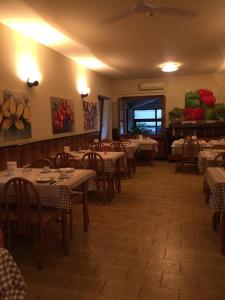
107 119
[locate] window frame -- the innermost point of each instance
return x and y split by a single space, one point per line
124 100
156 120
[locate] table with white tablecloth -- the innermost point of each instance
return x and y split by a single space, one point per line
177 146
217 143
149 145
206 159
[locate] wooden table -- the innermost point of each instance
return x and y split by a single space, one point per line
215 181
206 159
56 195
12 285
150 146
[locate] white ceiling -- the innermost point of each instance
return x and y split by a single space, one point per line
135 46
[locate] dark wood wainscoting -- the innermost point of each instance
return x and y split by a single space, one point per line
26 153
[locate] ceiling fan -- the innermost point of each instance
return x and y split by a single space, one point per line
147 7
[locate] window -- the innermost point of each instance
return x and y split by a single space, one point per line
148 121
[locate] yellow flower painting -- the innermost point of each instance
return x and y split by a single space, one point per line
15 117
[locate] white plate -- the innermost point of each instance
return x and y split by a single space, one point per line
66 170
43 179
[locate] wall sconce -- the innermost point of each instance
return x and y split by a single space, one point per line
32 83
84 93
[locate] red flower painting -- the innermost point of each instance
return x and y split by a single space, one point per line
62 115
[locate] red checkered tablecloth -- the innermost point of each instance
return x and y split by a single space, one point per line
57 195
12 285
215 179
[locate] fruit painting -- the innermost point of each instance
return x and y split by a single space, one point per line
200 105
62 115
15 116
90 115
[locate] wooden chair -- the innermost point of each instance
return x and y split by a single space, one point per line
222 164
42 162
61 159
2 243
129 164
94 161
78 198
219 158
24 215
190 150
106 140
124 140
97 146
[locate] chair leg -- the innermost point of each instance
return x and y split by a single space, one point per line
71 222
214 221
40 249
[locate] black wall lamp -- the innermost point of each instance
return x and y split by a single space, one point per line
32 83
85 93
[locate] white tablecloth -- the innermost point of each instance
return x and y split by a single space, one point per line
206 159
146 144
177 146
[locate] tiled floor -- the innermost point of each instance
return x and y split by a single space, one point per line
153 242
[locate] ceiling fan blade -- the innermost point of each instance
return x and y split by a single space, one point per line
118 17
175 11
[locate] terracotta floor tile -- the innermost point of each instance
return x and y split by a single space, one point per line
132 261
203 271
121 290
181 255
181 282
153 252
146 276
170 244
152 293
197 295
162 265
111 272
153 241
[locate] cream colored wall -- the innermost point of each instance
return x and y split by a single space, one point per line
60 77
175 88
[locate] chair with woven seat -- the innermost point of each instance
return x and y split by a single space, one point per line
22 214
78 197
61 159
189 154
42 162
95 162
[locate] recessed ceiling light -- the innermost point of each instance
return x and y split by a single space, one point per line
169 67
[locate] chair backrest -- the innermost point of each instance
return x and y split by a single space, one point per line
190 148
222 164
106 140
220 156
124 140
99 146
75 163
19 195
94 161
117 147
42 162
61 159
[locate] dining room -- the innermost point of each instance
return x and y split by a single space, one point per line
112 150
